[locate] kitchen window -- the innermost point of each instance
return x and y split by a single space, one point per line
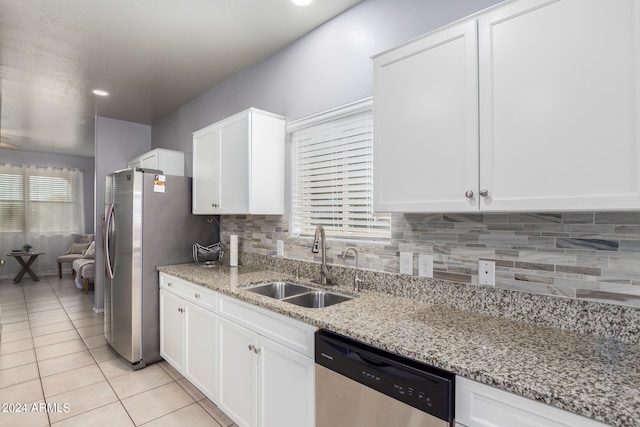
37 199
332 179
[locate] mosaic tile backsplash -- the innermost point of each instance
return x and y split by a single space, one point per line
584 255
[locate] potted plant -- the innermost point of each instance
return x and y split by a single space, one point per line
27 247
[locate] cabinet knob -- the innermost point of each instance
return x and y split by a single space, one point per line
256 350
252 348
197 296
484 192
170 284
469 194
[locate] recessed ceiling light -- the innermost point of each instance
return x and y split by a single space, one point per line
100 92
302 2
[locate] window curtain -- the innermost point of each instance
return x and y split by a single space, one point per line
42 207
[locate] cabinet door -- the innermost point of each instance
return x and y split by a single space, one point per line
559 105
206 171
234 170
172 329
267 163
201 349
238 365
170 162
286 386
149 160
426 123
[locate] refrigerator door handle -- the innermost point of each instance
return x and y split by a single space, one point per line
107 253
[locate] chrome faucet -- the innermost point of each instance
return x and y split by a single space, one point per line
319 244
356 279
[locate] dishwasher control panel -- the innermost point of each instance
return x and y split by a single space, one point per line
421 386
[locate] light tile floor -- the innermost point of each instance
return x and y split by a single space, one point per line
57 370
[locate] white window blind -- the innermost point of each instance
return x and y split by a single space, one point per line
333 176
40 199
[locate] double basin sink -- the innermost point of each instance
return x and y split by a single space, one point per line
301 295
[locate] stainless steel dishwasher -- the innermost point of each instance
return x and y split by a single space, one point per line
358 385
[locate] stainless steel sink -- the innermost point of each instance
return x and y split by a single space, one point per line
318 299
301 295
279 290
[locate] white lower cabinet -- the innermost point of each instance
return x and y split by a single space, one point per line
480 405
238 366
172 329
256 365
266 367
188 336
286 386
201 349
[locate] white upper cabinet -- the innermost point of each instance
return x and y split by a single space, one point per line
238 165
559 117
556 109
170 162
426 123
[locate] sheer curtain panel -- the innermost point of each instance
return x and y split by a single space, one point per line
39 206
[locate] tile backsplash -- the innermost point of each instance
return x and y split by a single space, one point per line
586 255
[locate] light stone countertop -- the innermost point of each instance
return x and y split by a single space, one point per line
585 374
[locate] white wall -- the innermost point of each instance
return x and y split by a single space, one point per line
116 142
327 68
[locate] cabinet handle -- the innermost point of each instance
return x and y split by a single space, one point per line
180 310
484 192
469 194
256 350
197 296
214 205
252 348
170 284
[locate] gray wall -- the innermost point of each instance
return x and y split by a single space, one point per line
116 142
85 164
594 256
327 68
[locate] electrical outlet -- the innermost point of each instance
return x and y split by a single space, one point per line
406 263
280 248
425 265
487 273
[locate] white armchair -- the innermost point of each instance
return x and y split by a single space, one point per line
79 243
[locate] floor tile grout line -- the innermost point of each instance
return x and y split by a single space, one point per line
94 360
119 400
105 377
46 399
33 343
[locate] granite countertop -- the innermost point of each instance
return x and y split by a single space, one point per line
588 375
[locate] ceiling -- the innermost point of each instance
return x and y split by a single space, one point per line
152 56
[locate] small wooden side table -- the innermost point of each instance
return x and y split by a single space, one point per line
26 265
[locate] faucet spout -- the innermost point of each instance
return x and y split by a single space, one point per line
319 245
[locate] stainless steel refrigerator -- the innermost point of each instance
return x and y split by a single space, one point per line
148 222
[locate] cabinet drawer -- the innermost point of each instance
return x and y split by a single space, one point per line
291 333
480 405
190 291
